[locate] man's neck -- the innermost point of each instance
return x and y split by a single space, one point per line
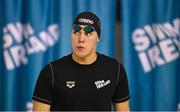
84 60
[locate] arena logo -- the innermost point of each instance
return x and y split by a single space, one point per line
157 44
83 20
20 41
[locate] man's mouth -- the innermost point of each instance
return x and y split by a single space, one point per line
80 48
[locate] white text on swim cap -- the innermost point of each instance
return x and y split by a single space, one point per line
85 20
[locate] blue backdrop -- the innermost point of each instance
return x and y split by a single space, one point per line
35 32
151 51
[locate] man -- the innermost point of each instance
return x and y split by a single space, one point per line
85 79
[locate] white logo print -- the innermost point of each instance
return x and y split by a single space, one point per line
70 84
85 20
102 83
157 44
20 41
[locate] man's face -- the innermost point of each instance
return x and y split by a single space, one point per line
84 40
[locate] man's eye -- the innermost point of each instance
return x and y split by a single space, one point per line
88 34
75 32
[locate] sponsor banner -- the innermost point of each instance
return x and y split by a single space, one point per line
151 51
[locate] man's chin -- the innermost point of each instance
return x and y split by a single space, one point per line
81 54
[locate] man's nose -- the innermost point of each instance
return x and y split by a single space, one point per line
81 37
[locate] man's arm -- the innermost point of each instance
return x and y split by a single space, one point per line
38 106
124 106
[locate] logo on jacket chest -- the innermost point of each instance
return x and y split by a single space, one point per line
70 84
99 84
102 83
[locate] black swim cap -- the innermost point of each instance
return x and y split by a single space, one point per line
88 18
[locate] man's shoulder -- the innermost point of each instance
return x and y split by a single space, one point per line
107 59
61 61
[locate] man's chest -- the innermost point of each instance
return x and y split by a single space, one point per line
77 84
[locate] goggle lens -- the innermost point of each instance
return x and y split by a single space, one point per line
87 29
